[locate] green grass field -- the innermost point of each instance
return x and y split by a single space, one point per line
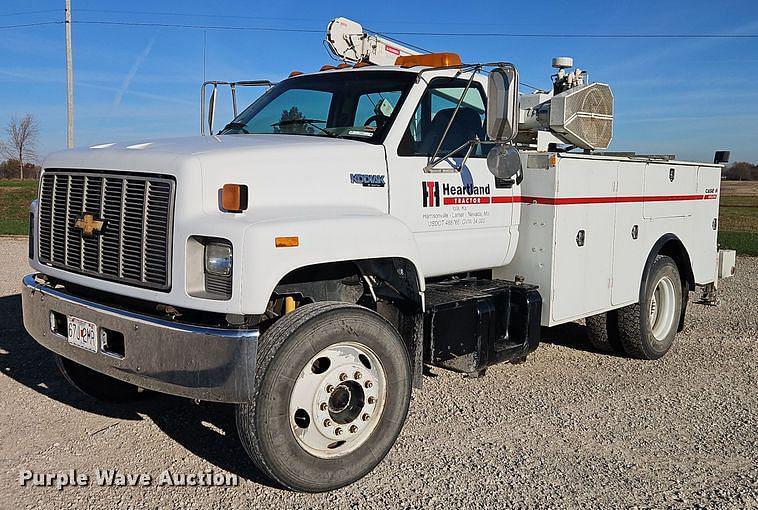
15 196
738 217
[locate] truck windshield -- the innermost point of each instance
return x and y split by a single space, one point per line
358 105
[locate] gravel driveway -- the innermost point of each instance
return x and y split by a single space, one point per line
568 428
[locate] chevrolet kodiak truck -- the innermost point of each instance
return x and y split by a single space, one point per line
349 228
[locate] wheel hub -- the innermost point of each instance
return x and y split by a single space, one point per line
346 402
340 399
662 308
337 400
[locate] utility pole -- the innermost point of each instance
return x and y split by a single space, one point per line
69 80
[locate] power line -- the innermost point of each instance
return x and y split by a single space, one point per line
27 12
390 34
198 27
393 22
578 36
194 15
424 34
24 25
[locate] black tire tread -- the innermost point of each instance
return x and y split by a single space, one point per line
629 332
630 320
268 345
598 332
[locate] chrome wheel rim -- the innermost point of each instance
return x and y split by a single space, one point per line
337 400
662 308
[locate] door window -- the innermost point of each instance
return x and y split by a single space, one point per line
433 114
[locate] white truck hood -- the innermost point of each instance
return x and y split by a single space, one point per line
290 171
195 146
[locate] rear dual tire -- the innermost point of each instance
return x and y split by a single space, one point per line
647 329
644 330
602 332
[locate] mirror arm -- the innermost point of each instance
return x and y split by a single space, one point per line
472 143
469 146
233 87
455 112
212 108
202 109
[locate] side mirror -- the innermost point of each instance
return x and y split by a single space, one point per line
212 109
504 161
502 104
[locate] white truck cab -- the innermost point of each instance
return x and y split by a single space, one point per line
351 226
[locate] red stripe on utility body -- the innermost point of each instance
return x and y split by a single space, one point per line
505 200
474 200
597 200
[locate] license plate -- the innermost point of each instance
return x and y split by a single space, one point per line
82 334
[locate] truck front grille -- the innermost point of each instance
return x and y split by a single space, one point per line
132 245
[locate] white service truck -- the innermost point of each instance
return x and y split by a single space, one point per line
348 229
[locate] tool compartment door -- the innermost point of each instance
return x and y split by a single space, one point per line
668 189
629 249
584 225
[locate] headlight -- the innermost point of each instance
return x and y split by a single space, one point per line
218 259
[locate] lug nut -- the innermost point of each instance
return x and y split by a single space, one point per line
357 375
329 388
337 431
327 423
365 416
368 384
323 406
353 429
343 377
372 400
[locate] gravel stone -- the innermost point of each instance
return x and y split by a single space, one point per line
570 427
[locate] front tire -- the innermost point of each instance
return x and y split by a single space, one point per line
647 329
332 389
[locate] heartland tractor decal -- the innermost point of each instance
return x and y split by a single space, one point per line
452 194
435 194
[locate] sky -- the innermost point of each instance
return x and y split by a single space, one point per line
683 96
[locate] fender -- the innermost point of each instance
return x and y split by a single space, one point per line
322 239
678 252
669 244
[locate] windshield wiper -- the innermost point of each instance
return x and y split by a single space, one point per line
311 122
237 125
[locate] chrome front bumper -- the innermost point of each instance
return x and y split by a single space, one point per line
190 361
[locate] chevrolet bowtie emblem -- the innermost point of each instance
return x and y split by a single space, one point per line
89 225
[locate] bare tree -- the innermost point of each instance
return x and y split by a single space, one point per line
22 141
741 171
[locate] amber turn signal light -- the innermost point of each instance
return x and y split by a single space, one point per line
287 242
234 198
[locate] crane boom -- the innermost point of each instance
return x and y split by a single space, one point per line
349 42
